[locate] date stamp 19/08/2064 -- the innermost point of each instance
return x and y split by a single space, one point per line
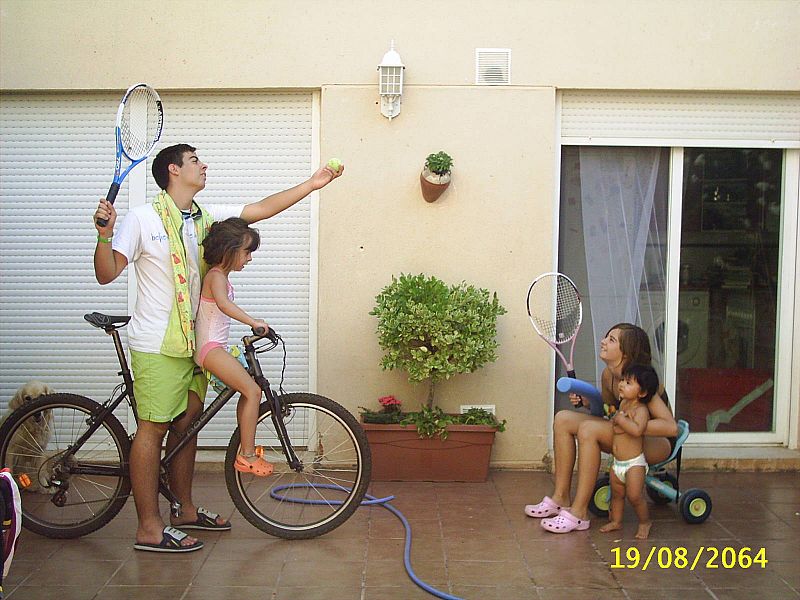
705 557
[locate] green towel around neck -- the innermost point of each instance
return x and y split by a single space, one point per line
179 339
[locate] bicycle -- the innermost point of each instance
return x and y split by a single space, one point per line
74 452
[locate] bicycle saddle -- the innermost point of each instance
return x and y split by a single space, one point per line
106 321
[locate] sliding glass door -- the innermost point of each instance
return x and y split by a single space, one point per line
729 281
696 245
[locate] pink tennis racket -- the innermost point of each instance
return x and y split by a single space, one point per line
554 308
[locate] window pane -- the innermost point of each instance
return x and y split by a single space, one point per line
728 288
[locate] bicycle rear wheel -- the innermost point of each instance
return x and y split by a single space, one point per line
71 492
336 470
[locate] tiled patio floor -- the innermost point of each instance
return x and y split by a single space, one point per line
469 540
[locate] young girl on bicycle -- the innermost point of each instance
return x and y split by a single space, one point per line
228 247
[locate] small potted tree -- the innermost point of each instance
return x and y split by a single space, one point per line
435 176
433 331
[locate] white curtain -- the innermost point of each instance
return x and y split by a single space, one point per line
621 236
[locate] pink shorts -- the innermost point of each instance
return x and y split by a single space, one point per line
200 357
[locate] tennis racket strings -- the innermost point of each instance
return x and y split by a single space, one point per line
561 325
140 123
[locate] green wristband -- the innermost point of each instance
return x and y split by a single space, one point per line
103 240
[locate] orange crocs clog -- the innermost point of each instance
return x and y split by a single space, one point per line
259 467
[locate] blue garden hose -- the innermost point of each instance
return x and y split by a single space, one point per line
384 502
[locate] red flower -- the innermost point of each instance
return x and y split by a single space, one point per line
389 403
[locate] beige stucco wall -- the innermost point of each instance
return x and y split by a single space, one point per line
493 227
682 44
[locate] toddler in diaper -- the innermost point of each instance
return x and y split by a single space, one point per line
638 385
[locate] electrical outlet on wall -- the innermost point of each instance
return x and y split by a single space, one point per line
487 407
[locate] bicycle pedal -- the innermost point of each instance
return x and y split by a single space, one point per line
24 481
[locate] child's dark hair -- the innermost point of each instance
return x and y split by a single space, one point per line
646 377
226 238
171 155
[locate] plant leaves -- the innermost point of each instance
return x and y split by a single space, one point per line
434 331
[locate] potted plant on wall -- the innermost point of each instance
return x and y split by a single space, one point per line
435 176
433 331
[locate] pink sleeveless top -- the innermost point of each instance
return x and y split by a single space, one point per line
212 326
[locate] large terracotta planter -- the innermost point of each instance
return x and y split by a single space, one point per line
399 454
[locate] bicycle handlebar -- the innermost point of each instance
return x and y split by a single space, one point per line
260 333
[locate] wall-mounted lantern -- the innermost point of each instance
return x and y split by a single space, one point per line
390 83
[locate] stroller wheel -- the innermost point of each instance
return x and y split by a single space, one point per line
601 498
695 506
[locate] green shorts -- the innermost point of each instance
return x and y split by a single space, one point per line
162 384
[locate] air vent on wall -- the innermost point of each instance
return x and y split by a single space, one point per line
492 66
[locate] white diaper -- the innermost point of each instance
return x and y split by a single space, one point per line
621 467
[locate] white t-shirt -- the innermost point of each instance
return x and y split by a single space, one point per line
142 239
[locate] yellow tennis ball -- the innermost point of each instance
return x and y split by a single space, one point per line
334 164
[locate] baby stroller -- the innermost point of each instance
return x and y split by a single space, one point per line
662 486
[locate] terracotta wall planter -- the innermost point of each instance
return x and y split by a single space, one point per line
399 454
433 185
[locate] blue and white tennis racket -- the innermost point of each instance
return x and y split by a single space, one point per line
140 119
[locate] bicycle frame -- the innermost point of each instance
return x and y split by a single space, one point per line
276 408
108 408
276 413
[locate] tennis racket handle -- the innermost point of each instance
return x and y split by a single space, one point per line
111 196
571 375
584 389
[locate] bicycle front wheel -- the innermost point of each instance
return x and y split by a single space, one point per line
67 489
324 493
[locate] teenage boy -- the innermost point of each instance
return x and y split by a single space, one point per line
163 241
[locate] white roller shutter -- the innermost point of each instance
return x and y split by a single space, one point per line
56 159
256 145
652 118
